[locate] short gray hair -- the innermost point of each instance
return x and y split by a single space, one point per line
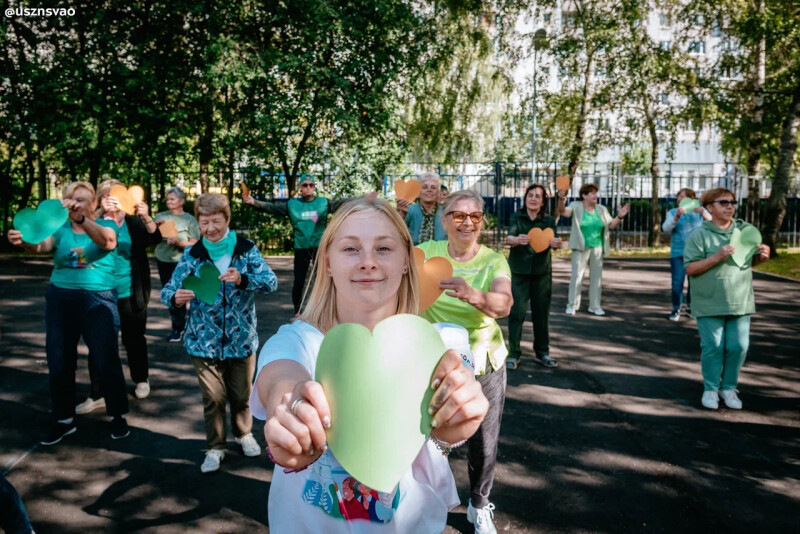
458 196
430 176
177 191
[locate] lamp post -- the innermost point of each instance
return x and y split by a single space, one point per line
539 42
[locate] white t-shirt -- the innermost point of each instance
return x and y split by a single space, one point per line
318 499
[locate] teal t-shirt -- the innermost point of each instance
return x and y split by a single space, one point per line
308 220
485 336
187 228
726 288
122 267
78 263
592 229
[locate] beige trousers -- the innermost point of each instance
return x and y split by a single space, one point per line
580 258
221 382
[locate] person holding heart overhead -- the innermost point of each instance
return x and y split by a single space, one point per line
531 275
81 301
221 336
679 224
722 294
132 272
366 275
589 242
476 296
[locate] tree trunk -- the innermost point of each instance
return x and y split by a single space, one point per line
776 204
206 140
654 230
42 177
231 160
580 131
97 156
756 125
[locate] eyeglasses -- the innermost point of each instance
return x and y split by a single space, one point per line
724 203
460 216
312 185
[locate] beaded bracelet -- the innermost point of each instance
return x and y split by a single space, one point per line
444 447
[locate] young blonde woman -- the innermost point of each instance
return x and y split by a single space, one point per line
722 297
365 274
221 337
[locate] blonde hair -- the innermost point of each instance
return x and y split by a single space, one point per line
70 188
104 188
211 203
320 307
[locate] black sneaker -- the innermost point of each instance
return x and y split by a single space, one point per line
119 428
175 336
58 431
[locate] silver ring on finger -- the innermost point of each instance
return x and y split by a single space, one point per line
295 404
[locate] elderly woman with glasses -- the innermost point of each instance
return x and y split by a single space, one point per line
476 296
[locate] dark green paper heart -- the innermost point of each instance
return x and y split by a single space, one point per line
38 224
378 387
206 285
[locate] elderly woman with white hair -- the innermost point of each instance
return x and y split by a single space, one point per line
424 219
476 296
170 250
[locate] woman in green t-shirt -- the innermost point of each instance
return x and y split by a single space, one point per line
722 297
589 242
478 293
132 274
81 301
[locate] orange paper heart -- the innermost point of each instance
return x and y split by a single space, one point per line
168 229
245 190
431 273
407 190
562 183
127 198
540 239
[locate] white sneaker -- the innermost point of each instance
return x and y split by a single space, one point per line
597 311
211 463
482 518
570 310
710 400
731 399
250 446
142 390
90 405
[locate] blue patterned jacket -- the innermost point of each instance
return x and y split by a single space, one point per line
227 328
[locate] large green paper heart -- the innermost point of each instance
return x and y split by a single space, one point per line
744 243
689 204
378 387
38 224
206 285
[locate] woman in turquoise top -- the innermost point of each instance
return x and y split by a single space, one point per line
81 301
132 273
589 242
722 297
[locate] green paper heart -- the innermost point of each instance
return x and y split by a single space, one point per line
689 204
378 387
744 243
206 285
38 224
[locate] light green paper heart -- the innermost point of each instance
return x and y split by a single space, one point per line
206 285
378 387
38 224
744 243
689 204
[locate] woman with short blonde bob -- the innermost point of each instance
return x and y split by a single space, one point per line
221 337
365 273
81 301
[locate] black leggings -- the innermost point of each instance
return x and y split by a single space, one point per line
303 258
178 315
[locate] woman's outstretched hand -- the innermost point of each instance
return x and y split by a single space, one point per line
458 405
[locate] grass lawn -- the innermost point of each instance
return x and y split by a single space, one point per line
786 264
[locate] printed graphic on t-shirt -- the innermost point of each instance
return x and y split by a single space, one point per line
310 215
76 259
332 489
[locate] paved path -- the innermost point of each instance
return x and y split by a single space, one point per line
613 440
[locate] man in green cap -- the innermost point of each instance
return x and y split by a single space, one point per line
308 215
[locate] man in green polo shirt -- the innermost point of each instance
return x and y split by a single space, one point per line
308 215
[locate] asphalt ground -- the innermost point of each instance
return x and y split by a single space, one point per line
613 440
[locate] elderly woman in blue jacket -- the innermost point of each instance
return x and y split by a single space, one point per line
221 337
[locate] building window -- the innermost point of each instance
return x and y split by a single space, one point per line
697 47
716 29
664 20
546 17
663 98
665 45
569 19
661 124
